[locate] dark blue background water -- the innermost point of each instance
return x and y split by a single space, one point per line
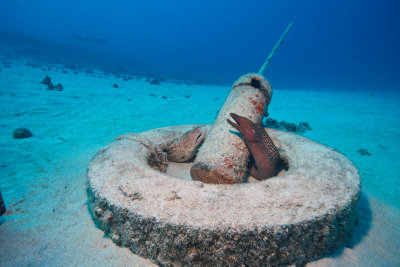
341 44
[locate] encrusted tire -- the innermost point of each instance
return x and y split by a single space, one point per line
291 219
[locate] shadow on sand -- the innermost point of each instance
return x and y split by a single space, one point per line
361 228
363 222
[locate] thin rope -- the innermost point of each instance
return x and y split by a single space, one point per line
262 70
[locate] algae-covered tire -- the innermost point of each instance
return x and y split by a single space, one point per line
291 219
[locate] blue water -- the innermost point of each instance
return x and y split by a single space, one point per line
341 45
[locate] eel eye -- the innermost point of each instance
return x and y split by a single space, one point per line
198 136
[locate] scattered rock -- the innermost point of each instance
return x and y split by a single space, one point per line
21 133
58 87
47 81
70 66
153 95
50 85
364 152
2 206
174 196
65 71
62 139
115 85
33 65
287 126
164 97
187 96
155 81
304 126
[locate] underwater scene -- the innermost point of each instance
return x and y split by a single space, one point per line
199 133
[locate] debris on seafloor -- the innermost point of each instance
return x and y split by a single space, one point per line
21 133
155 82
2 206
50 85
364 152
287 126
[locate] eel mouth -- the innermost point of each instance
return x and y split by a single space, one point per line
237 119
201 135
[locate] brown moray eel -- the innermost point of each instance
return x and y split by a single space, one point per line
260 145
185 147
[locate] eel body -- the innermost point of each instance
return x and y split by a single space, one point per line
265 153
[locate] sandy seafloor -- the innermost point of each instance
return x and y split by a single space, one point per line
43 178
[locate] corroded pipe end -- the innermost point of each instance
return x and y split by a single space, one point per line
211 174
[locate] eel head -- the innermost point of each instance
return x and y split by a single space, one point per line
246 127
186 146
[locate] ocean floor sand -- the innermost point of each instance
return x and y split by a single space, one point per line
43 178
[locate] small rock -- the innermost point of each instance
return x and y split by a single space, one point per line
50 85
21 133
199 184
47 81
58 87
290 127
164 97
272 122
304 126
364 152
115 85
2 206
155 81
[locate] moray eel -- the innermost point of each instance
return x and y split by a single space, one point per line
185 147
260 145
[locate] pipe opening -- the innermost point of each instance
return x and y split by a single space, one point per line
256 82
